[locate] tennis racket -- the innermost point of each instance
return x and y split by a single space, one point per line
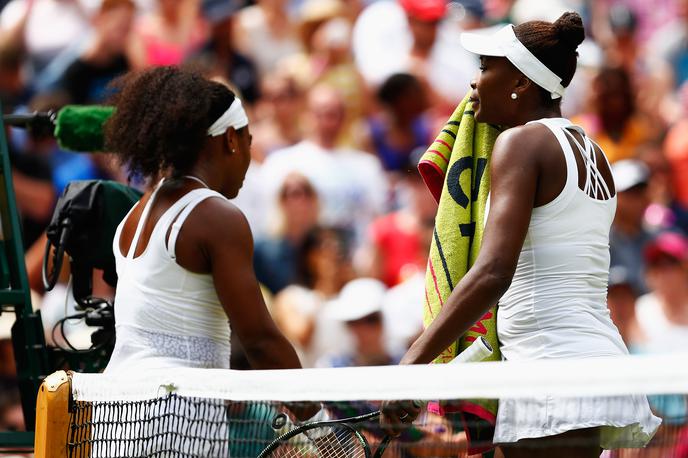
325 439
341 438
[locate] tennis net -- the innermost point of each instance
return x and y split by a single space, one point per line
225 413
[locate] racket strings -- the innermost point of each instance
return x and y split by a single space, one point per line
335 443
340 443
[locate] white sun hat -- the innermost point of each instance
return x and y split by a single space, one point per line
629 173
505 44
358 299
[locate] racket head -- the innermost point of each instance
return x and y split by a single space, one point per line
319 440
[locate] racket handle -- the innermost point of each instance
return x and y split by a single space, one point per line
318 433
476 352
321 415
282 420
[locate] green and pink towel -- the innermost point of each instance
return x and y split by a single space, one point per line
456 170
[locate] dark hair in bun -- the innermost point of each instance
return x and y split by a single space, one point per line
554 44
570 29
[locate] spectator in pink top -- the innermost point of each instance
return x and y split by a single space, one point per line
167 35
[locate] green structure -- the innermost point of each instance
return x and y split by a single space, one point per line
15 297
34 358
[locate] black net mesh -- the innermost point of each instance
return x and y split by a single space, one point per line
179 426
170 426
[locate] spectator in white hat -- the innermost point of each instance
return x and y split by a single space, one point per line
628 235
359 307
621 300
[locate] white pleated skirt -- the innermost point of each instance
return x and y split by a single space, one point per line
625 421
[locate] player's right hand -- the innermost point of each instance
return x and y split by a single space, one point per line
396 415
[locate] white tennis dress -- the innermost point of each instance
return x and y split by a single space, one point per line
556 307
165 315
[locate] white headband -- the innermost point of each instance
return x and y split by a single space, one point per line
505 44
235 116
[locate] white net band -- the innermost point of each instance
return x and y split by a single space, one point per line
666 374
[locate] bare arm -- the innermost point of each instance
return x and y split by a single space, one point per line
514 176
230 251
13 37
135 52
514 173
36 198
229 247
296 325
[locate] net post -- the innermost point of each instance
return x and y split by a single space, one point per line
52 416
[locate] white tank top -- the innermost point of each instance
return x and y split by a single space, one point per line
556 306
165 315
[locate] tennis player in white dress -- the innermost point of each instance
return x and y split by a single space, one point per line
184 259
184 252
545 252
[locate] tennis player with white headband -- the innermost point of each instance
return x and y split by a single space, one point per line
544 256
505 44
184 253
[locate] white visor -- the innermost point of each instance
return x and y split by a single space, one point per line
235 117
505 44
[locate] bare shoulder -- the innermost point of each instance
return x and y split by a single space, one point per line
216 218
527 137
523 144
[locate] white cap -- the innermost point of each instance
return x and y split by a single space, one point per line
629 173
505 44
359 298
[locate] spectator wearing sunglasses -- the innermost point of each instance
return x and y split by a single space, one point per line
276 256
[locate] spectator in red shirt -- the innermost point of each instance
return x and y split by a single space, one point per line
399 241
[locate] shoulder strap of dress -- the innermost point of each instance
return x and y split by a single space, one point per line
142 221
558 127
199 195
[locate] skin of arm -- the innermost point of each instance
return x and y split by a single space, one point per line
229 248
13 38
296 325
136 54
228 245
514 175
36 197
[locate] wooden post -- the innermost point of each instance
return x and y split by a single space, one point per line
52 416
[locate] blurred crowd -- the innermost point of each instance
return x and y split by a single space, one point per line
343 97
